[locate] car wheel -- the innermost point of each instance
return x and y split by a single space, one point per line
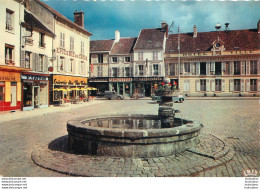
109 98
180 100
119 98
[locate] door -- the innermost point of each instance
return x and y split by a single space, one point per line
36 96
13 95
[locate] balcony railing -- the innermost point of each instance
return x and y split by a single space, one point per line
9 61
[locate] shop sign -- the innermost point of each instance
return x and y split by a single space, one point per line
98 80
148 79
34 77
71 54
120 79
7 78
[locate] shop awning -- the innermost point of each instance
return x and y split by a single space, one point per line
59 89
91 88
76 89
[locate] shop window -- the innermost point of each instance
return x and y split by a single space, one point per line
155 69
114 72
140 56
203 85
127 59
253 67
41 40
2 91
155 55
9 54
27 94
127 72
203 68
61 64
217 68
41 62
62 40
141 70
217 84
236 84
172 69
253 85
27 59
114 59
9 23
82 48
187 67
236 68
100 58
72 43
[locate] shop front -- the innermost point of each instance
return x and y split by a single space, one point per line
67 89
122 86
10 88
35 91
145 86
101 84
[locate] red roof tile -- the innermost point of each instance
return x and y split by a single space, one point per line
101 45
244 39
150 39
124 46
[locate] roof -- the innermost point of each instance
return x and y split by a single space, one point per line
60 16
101 45
150 39
32 21
244 39
124 46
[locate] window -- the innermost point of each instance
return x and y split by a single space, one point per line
141 70
100 58
82 67
71 65
236 84
217 68
140 55
155 69
252 84
114 59
187 67
203 85
82 47
236 68
114 72
61 64
9 25
27 59
62 40
217 84
72 43
2 91
203 68
41 40
127 59
253 67
9 54
172 69
28 39
155 55
41 63
127 72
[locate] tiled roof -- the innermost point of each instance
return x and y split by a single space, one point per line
150 39
60 16
124 46
244 39
101 45
30 20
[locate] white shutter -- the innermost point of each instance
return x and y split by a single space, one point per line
136 70
23 59
33 61
66 65
166 69
197 68
117 72
212 84
231 85
258 67
123 72
207 85
197 85
176 68
110 72
159 70
79 67
182 68
223 85
58 63
192 68
37 65
212 65
242 67
231 68
247 67
223 66
258 85
208 68
247 85
242 85
46 63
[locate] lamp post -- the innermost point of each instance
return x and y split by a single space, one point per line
179 58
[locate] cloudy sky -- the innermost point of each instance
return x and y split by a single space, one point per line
103 17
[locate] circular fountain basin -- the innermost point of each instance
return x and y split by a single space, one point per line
131 136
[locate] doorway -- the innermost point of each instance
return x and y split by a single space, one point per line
147 87
36 96
13 94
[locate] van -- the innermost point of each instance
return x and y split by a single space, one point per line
113 95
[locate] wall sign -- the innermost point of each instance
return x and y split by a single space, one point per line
35 77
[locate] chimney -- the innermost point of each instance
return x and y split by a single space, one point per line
79 18
117 36
194 31
165 27
258 26
227 24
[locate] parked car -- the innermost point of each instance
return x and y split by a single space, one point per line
113 95
179 98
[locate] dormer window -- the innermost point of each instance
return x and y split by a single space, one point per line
218 45
114 59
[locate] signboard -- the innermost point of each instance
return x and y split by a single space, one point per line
120 79
35 77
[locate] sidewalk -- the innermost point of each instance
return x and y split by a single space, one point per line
18 114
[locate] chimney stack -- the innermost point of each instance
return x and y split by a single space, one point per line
165 27
117 36
79 18
258 26
227 24
195 31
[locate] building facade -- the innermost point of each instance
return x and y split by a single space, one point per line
218 63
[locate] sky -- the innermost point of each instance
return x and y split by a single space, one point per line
103 17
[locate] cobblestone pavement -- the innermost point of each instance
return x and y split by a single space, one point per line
234 121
